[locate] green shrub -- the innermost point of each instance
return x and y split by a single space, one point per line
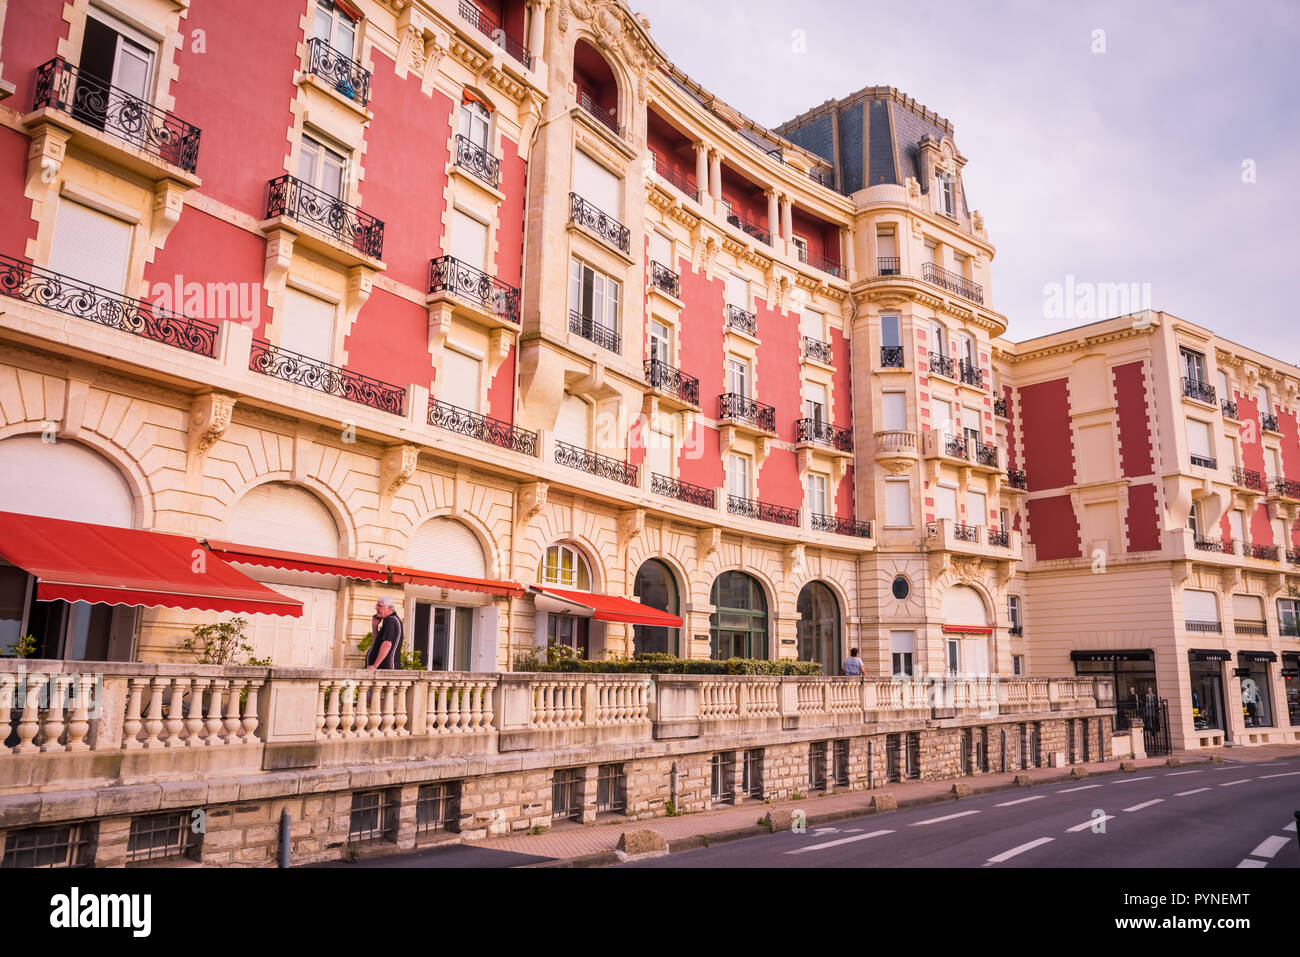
223 643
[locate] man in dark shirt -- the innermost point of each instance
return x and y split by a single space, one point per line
386 646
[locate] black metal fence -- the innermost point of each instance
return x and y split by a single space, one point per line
1154 714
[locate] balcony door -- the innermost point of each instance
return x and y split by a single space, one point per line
814 403
113 54
444 636
659 453
738 291
476 124
1193 364
597 185
573 423
660 342
461 379
976 508
323 168
593 295
738 475
970 426
661 251
889 334
90 247
335 27
738 377
814 486
940 415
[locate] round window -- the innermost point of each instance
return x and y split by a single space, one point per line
901 588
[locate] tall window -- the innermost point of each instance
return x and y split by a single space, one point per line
898 503
322 167
335 27
563 566
1237 523
814 488
738 291
738 475
1013 610
1199 443
476 124
946 184
814 403
1288 617
818 628
938 339
954 656
738 375
976 508
661 342
1193 364
890 336
902 649
893 408
655 587
114 53
90 246
593 295
738 628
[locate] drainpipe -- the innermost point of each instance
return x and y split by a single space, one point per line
284 837
672 787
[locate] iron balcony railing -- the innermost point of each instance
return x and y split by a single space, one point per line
970 373
1000 408
751 229
1248 478
448 274
489 28
1293 556
986 455
1016 631
1017 478
477 161
1225 546
891 357
605 226
323 377
41 287
829 266
1267 553
960 533
763 511
664 279
593 463
1229 409
738 318
955 446
822 432
839 526
942 365
676 383
817 350
888 265
1213 627
741 408
602 116
290 196
484 428
680 181
999 538
1268 423
338 70
96 102
594 331
1286 488
1243 626
1205 461
1199 389
682 491
953 282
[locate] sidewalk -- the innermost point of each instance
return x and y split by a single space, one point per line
579 845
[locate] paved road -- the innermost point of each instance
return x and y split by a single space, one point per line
453 855
1225 815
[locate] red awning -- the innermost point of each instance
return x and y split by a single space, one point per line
486 586
296 561
609 608
77 561
968 629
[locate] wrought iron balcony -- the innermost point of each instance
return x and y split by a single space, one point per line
1205 461
738 318
1286 488
605 226
1211 627
453 418
97 103
1017 478
1199 389
1016 631
888 265
741 408
1267 553
986 455
341 72
1268 423
970 373
839 526
682 491
942 365
1248 478
21 280
955 447
970 534
291 197
593 463
593 331
829 266
489 28
891 357
1224 546
682 183
1229 409
448 274
763 511
1245 626
823 433
1000 407
1293 557
477 161
953 282
596 112
999 538
663 278
817 350
323 377
752 229
676 383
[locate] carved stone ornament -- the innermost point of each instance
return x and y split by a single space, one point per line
532 498
707 541
794 560
630 524
396 467
209 418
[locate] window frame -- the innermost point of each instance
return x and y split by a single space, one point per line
580 567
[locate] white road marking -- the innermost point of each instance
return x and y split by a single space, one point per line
853 830
1128 780
1007 855
843 840
1086 787
1252 863
1086 824
1036 797
1271 764
1228 784
826 830
1183 794
1290 827
946 817
1270 846
1174 774
1288 774
1138 807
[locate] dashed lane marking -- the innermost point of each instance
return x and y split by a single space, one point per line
1148 777
1270 846
1183 794
1228 784
843 840
1288 774
1007 855
1138 807
1174 774
1101 819
946 817
1249 862
1086 787
1036 797
1290 827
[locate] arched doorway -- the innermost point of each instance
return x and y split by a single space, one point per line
819 627
450 630
597 86
738 626
564 566
655 587
967 632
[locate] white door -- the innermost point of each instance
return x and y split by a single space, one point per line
306 642
307 326
90 247
468 241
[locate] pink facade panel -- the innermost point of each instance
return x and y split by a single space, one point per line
1143 520
1135 445
1054 528
1045 424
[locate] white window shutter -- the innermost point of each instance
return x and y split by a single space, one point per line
571 423
894 411
448 546
307 326
460 380
285 517
596 185
90 247
468 241
945 503
1200 605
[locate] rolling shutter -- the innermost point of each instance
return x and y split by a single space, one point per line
661 250
659 455
90 247
962 605
945 503
738 291
468 241
1248 607
898 503
460 380
894 411
976 508
1200 605
286 518
307 326
446 545
571 423
1198 438
596 184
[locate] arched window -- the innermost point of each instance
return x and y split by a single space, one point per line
655 588
597 87
818 629
738 626
967 643
446 545
65 480
562 565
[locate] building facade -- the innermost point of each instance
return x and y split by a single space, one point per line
490 309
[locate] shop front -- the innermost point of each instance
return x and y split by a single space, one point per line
1291 679
1133 671
1205 668
1256 687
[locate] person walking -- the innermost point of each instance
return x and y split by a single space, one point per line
853 666
386 647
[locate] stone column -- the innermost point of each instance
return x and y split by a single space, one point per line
537 27
702 170
787 227
773 215
847 257
715 175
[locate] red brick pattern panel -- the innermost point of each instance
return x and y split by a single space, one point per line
1045 424
1134 426
1054 526
1143 520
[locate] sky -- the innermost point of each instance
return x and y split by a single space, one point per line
1124 166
